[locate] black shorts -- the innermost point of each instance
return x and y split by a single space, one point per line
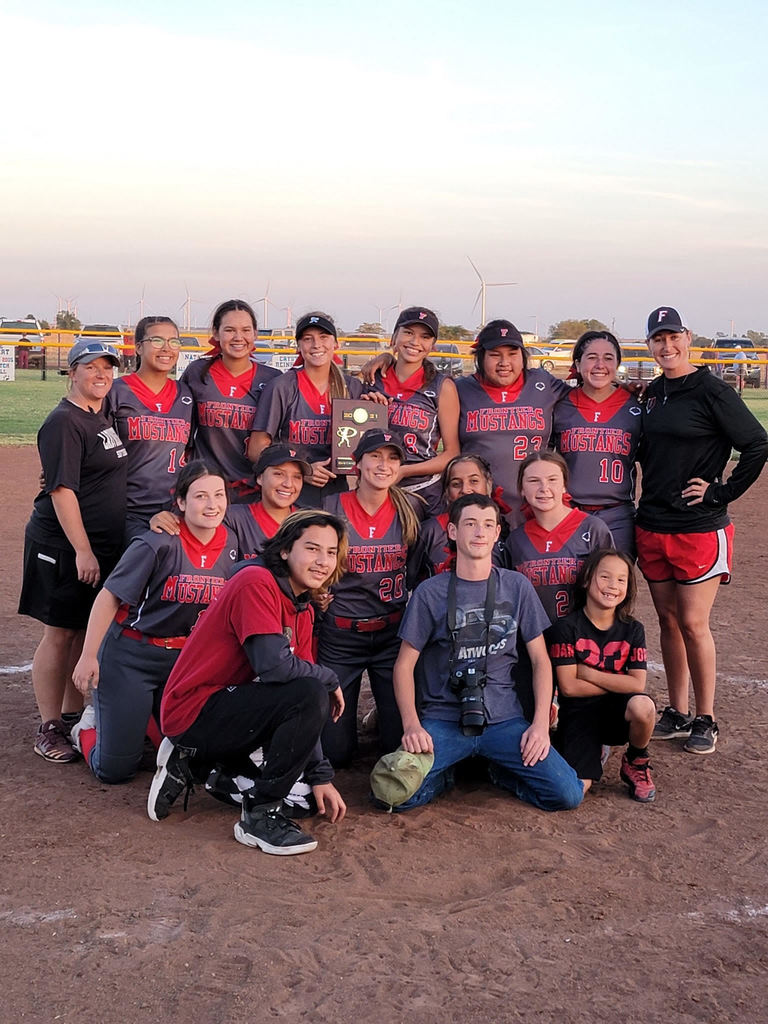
50 589
585 724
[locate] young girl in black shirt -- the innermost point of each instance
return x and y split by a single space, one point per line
598 652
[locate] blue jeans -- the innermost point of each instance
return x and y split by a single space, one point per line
551 784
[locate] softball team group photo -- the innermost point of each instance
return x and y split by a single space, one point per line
213 593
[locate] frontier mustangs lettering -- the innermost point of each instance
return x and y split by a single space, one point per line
189 588
155 428
548 572
507 418
370 558
611 441
221 414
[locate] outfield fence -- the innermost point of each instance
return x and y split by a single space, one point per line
47 350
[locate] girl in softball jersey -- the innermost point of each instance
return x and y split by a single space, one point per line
597 431
152 414
506 408
359 630
296 409
423 405
227 387
141 619
550 547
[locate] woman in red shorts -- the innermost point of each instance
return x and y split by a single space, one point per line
691 421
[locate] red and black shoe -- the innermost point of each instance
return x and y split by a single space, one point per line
637 775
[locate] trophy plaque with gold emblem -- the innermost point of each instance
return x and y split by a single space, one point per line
351 418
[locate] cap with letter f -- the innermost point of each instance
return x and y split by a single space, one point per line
665 318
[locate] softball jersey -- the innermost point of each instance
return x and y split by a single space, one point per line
551 559
294 412
225 407
154 429
413 419
505 425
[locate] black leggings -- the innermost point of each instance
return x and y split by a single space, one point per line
284 719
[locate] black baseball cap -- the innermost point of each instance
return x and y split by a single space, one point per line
315 320
276 455
418 315
665 318
497 333
88 349
373 439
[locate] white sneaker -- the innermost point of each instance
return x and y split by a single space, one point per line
87 721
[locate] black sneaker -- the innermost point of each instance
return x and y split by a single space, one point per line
703 738
266 827
173 776
672 725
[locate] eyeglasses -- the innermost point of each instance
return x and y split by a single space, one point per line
174 343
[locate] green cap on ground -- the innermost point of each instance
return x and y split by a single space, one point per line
397 776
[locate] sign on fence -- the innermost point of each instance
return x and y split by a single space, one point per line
7 362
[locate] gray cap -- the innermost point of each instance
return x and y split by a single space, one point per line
88 349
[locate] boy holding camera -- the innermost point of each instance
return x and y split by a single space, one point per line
459 650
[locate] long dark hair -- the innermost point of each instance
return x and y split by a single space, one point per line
483 467
230 306
587 572
292 529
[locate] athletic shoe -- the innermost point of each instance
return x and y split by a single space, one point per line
86 721
672 725
173 776
52 743
266 827
703 738
637 776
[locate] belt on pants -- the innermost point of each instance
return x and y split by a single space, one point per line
600 508
368 625
172 643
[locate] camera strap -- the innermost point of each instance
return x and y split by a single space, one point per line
490 604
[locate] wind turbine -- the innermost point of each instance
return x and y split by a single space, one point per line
483 286
186 306
267 302
288 310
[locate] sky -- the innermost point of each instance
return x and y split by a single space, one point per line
607 158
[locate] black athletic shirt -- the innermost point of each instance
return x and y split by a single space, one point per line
81 450
690 425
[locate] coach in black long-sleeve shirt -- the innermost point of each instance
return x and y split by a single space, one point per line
690 425
691 421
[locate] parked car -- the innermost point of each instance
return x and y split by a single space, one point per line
728 369
637 363
447 358
27 356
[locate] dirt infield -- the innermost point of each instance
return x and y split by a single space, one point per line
475 909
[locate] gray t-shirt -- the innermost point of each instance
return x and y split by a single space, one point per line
517 615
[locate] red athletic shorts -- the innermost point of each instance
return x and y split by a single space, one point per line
685 557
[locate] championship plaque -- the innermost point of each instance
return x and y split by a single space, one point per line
351 418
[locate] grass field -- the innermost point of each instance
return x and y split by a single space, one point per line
26 402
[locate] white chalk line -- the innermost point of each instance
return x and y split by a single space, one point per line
14 670
655 666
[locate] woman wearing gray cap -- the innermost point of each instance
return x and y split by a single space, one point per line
74 537
691 421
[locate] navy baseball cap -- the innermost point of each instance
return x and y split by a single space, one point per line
88 349
497 333
315 320
418 315
276 455
665 318
373 439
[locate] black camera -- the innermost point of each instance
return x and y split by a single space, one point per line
468 682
